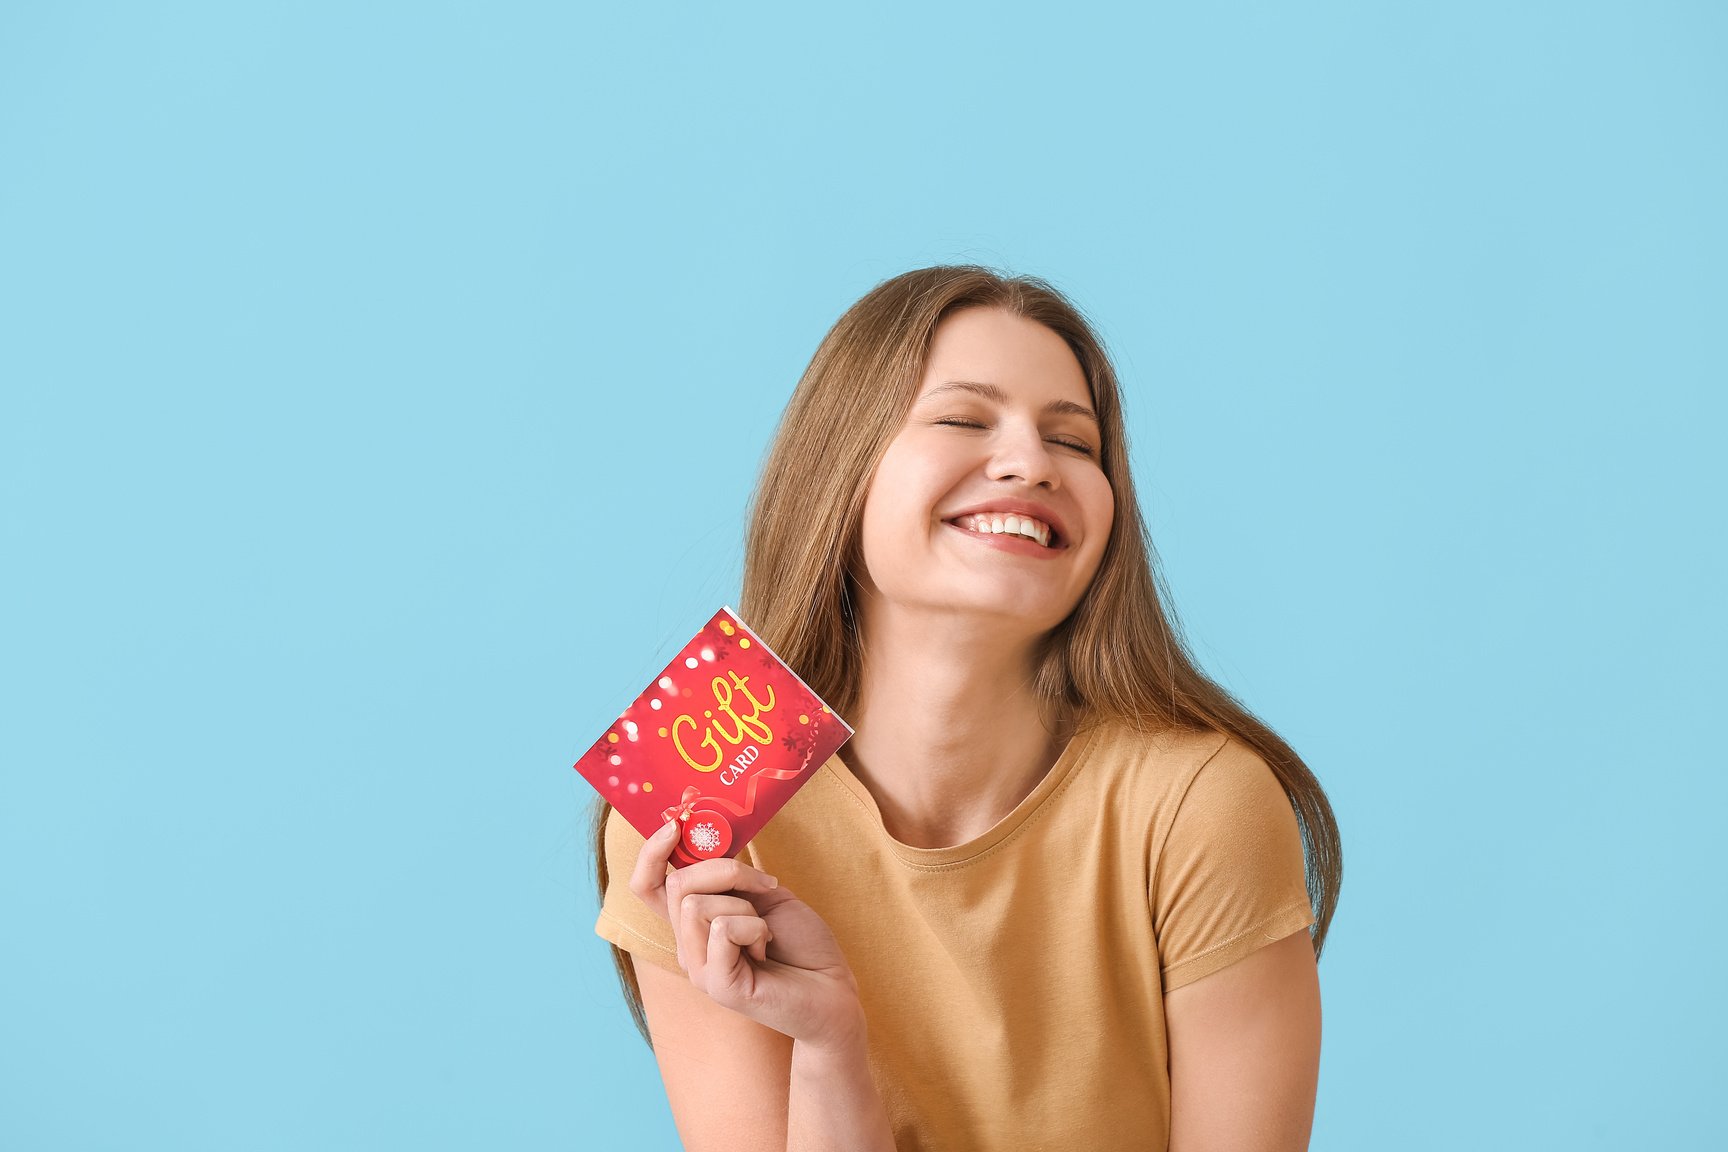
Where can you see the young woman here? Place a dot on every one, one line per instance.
(1053, 892)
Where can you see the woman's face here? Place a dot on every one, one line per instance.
(990, 499)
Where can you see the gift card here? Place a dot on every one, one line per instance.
(718, 741)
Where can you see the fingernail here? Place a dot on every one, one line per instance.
(669, 826)
(773, 883)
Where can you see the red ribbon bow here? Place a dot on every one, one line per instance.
(681, 810)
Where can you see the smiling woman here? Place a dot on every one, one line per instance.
(1054, 889)
(1013, 440)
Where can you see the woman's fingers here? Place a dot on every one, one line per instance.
(696, 913)
(662, 892)
(728, 978)
(718, 875)
(719, 931)
(648, 880)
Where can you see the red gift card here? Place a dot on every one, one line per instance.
(719, 740)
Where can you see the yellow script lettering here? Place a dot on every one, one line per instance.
(750, 725)
(707, 742)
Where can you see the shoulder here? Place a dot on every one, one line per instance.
(1116, 740)
(1233, 775)
(1231, 796)
(1180, 765)
(1129, 786)
(1154, 766)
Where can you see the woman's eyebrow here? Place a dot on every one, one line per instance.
(994, 392)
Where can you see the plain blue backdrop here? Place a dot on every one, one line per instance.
(383, 387)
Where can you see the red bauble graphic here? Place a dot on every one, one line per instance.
(707, 834)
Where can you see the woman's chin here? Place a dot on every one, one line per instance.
(1009, 617)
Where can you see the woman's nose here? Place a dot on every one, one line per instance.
(1021, 454)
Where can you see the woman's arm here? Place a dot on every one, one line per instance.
(726, 1075)
(761, 1043)
(1245, 1053)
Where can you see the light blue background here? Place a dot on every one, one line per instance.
(384, 385)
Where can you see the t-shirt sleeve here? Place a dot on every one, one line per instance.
(1230, 877)
(624, 919)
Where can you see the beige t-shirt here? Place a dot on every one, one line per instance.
(1013, 986)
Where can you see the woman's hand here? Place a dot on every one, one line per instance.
(752, 946)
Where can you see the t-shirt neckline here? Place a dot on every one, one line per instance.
(1073, 753)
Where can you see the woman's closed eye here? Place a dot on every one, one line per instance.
(1065, 441)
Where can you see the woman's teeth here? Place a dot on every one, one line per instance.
(1012, 524)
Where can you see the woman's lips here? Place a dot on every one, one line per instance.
(1001, 510)
(1030, 527)
(1008, 542)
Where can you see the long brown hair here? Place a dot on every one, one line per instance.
(1119, 657)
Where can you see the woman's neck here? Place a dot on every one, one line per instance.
(948, 736)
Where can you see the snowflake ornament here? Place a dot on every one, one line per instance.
(706, 837)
